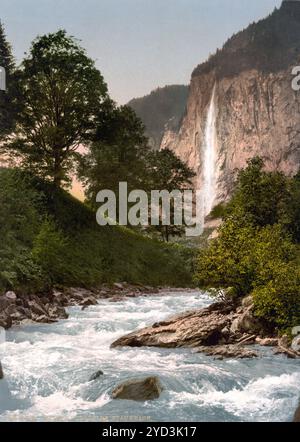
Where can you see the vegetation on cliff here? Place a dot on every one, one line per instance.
(269, 45)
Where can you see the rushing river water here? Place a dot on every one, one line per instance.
(47, 368)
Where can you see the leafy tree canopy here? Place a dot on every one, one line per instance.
(61, 92)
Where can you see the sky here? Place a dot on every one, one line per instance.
(137, 44)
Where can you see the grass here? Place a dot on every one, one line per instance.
(65, 245)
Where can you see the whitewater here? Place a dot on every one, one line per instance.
(47, 370)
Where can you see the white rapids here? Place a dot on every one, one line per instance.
(47, 370)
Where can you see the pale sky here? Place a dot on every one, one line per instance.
(138, 44)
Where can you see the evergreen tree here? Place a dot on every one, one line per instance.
(6, 101)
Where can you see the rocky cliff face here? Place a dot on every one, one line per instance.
(257, 112)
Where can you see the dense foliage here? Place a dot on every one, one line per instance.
(59, 92)
(48, 237)
(117, 154)
(256, 251)
(7, 104)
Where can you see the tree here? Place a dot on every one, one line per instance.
(259, 196)
(118, 153)
(61, 92)
(7, 107)
(255, 252)
(291, 219)
(167, 172)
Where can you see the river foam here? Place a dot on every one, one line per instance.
(47, 370)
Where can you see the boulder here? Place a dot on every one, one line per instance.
(1, 371)
(96, 375)
(138, 390)
(11, 296)
(246, 322)
(56, 312)
(228, 351)
(5, 320)
(4, 303)
(90, 300)
(44, 319)
(37, 308)
(18, 315)
(247, 301)
(267, 342)
(296, 344)
(297, 415)
(191, 329)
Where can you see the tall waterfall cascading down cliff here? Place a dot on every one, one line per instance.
(210, 158)
(253, 111)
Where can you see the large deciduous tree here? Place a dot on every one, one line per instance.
(61, 92)
(117, 153)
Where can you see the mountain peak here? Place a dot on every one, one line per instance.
(271, 44)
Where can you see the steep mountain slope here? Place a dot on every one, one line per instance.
(242, 104)
(162, 106)
(48, 237)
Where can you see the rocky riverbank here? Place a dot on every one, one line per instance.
(220, 330)
(17, 308)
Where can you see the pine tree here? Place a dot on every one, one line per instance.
(6, 101)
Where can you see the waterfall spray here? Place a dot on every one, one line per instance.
(210, 158)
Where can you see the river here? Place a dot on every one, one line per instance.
(47, 370)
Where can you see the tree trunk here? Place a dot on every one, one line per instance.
(57, 171)
(167, 233)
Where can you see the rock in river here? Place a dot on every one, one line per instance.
(297, 415)
(228, 351)
(191, 329)
(138, 389)
(96, 375)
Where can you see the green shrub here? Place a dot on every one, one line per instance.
(48, 237)
(278, 301)
(49, 250)
(255, 252)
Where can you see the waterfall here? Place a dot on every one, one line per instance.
(210, 158)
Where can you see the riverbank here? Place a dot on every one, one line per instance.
(18, 308)
(220, 330)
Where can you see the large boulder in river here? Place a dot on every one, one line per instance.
(138, 389)
(1, 372)
(191, 329)
(297, 415)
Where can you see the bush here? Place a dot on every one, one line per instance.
(19, 223)
(255, 252)
(278, 301)
(49, 250)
